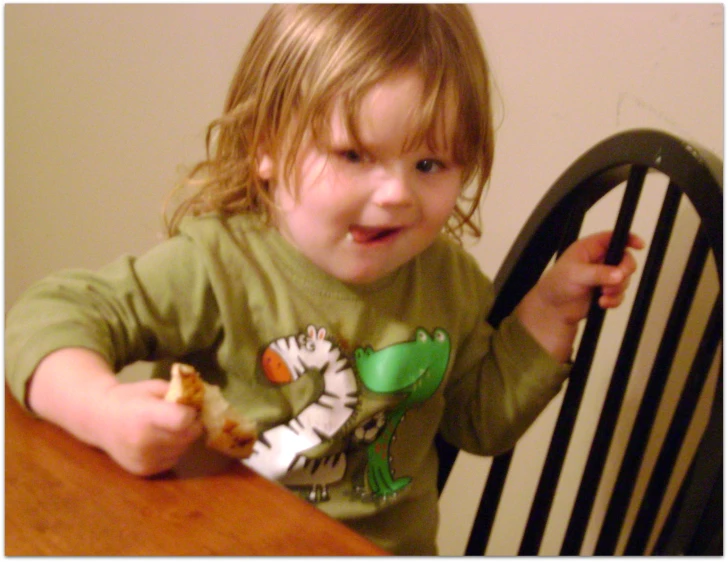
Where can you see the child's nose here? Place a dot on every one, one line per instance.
(393, 190)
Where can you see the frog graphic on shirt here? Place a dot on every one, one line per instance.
(415, 369)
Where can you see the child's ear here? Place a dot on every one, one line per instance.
(265, 166)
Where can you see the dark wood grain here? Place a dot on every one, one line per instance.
(65, 498)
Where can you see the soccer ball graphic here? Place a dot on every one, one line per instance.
(368, 431)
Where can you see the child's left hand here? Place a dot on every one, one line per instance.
(552, 310)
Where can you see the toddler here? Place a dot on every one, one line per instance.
(316, 274)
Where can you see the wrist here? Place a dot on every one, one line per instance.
(68, 388)
(548, 326)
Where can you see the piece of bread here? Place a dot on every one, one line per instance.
(228, 430)
(186, 387)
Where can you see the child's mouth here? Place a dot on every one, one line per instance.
(371, 234)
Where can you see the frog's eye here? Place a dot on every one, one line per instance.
(440, 335)
(422, 336)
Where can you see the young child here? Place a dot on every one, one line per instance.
(316, 275)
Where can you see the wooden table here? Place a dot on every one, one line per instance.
(65, 498)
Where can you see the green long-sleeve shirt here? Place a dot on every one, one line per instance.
(348, 384)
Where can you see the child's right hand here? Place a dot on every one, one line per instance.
(141, 431)
(76, 389)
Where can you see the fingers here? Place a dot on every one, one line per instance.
(164, 415)
(593, 248)
(617, 281)
(173, 429)
(170, 422)
(611, 300)
(615, 276)
(144, 433)
(584, 267)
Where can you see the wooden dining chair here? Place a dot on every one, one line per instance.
(627, 165)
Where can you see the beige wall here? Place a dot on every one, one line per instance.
(105, 102)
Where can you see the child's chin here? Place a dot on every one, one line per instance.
(363, 277)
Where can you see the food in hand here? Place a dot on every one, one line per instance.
(228, 430)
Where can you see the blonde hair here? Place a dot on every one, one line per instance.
(302, 58)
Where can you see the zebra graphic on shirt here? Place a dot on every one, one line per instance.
(279, 453)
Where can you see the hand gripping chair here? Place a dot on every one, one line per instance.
(628, 161)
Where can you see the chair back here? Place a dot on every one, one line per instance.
(624, 167)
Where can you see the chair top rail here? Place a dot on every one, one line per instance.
(696, 171)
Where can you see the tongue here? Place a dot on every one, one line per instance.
(364, 234)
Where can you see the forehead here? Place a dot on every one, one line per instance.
(396, 113)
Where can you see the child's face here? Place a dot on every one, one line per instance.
(360, 214)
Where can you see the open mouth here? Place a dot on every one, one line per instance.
(369, 234)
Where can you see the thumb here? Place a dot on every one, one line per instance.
(175, 417)
(167, 415)
(154, 387)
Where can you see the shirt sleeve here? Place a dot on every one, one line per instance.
(158, 305)
(501, 381)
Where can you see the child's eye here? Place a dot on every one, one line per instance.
(351, 155)
(429, 166)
